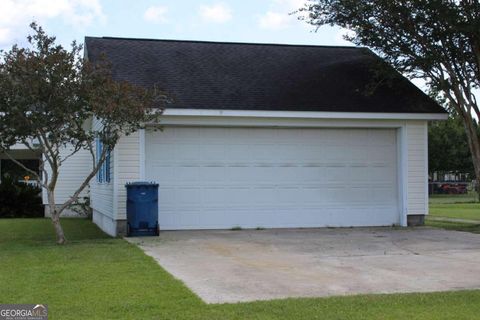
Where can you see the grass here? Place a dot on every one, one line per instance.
(470, 197)
(468, 211)
(455, 206)
(98, 277)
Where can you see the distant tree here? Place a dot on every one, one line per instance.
(434, 40)
(47, 96)
(448, 147)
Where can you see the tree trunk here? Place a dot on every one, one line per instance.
(476, 168)
(58, 229)
(474, 144)
(478, 184)
(55, 218)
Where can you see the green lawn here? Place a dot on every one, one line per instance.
(97, 277)
(453, 198)
(455, 206)
(469, 211)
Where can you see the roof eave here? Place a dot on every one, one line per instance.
(305, 114)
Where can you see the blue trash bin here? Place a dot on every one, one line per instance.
(142, 209)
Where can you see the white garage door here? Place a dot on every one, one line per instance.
(216, 178)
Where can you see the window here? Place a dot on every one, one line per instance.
(103, 174)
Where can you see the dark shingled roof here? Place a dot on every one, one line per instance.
(242, 76)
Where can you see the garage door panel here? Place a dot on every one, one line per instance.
(377, 154)
(187, 195)
(224, 177)
(216, 154)
(381, 138)
(212, 175)
(358, 153)
(383, 195)
(166, 197)
(380, 173)
(238, 153)
(358, 194)
(310, 174)
(338, 173)
(359, 173)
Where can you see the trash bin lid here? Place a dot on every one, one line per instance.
(141, 183)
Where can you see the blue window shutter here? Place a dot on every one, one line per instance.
(103, 173)
(100, 171)
(102, 167)
(97, 148)
(107, 167)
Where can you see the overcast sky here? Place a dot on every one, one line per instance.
(242, 20)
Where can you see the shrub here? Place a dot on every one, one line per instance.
(19, 200)
(82, 207)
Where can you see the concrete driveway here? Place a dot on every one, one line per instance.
(233, 266)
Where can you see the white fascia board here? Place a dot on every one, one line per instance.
(304, 114)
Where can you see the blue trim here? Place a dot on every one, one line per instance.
(103, 173)
(98, 152)
(107, 167)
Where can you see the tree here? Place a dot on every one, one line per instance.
(434, 40)
(447, 147)
(48, 95)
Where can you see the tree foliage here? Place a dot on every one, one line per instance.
(48, 97)
(435, 40)
(448, 147)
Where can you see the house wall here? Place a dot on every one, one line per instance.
(417, 167)
(128, 151)
(101, 194)
(71, 175)
(109, 199)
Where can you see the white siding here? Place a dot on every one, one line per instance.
(128, 170)
(417, 176)
(101, 194)
(109, 199)
(71, 175)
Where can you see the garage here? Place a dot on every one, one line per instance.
(221, 178)
(269, 136)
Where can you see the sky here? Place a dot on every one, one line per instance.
(260, 21)
(266, 21)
